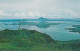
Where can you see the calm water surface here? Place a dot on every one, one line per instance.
(57, 32)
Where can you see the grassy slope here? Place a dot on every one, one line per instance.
(31, 40)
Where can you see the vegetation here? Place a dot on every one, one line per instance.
(76, 28)
(42, 24)
(31, 40)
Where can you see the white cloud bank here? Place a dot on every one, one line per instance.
(10, 9)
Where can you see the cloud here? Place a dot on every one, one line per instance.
(20, 14)
(1, 12)
(33, 13)
(72, 13)
(38, 8)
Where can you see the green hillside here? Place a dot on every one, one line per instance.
(31, 40)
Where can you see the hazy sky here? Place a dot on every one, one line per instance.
(15, 9)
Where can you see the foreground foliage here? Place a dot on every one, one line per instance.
(31, 40)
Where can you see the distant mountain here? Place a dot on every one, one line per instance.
(39, 19)
(60, 19)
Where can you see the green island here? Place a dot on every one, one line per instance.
(75, 28)
(41, 24)
(31, 40)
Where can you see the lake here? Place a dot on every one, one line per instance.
(57, 32)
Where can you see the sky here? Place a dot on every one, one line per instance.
(33, 9)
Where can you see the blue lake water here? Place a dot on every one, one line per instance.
(57, 32)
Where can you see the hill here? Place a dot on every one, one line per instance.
(31, 40)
